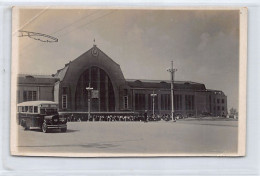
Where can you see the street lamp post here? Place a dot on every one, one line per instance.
(153, 95)
(172, 71)
(89, 89)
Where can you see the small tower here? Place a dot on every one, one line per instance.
(94, 44)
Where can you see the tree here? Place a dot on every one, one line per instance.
(233, 112)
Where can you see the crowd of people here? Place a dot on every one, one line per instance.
(110, 118)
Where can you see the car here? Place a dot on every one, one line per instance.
(41, 115)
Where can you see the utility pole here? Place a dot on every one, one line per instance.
(89, 89)
(153, 95)
(172, 72)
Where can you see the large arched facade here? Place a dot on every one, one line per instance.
(102, 98)
(95, 69)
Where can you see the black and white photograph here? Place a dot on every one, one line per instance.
(127, 82)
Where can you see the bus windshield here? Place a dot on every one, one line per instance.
(49, 111)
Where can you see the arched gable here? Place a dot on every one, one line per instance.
(93, 58)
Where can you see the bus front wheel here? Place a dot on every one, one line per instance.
(44, 127)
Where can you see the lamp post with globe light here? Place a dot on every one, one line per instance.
(172, 72)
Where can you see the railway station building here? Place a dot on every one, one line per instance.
(113, 93)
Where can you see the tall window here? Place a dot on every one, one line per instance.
(64, 101)
(125, 102)
(140, 101)
(64, 97)
(189, 102)
(223, 101)
(177, 102)
(165, 101)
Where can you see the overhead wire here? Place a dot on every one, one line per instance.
(61, 29)
(88, 23)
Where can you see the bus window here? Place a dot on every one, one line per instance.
(42, 111)
(19, 109)
(23, 109)
(35, 109)
(30, 109)
(26, 109)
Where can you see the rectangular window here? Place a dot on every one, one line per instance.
(177, 102)
(218, 108)
(125, 102)
(34, 95)
(64, 101)
(26, 109)
(29, 95)
(189, 102)
(35, 109)
(30, 109)
(166, 102)
(140, 101)
(223, 101)
(223, 108)
(24, 95)
(218, 101)
(163, 102)
(29, 98)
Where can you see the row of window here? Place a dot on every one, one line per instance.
(29, 95)
(218, 101)
(32, 109)
(165, 102)
(218, 108)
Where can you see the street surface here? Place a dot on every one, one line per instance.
(190, 137)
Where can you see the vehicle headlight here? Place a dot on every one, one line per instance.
(55, 120)
(63, 119)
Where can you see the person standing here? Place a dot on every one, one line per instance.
(145, 116)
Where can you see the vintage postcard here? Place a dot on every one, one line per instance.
(123, 82)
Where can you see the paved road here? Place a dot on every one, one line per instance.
(189, 137)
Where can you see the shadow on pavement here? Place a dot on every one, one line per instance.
(54, 131)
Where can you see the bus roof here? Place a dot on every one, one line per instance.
(35, 103)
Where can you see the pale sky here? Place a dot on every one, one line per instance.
(204, 45)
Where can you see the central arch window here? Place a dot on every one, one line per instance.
(99, 80)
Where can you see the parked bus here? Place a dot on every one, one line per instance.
(41, 115)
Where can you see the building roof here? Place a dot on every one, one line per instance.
(162, 84)
(36, 79)
(219, 92)
(62, 72)
(36, 103)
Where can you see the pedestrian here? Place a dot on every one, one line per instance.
(145, 116)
